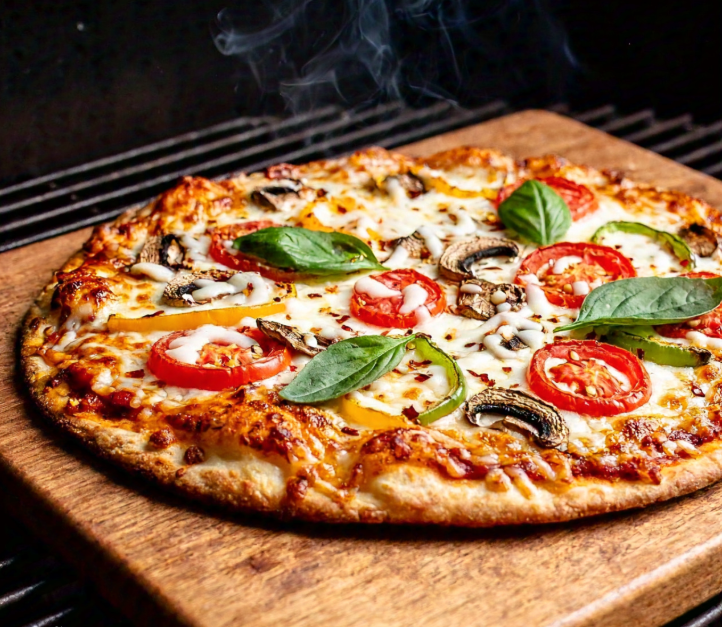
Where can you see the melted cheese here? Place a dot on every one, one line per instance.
(477, 345)
(187, 348)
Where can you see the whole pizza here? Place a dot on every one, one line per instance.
(463, 339)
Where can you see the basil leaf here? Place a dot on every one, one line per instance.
(310, 252)
(346, 366)
(675, 244)
(536, 212)
(648, 300)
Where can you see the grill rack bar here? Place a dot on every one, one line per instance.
(97, 191)
(37, 590)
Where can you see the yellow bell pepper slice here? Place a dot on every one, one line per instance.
(353, 411)
(443, 187)
(226, 317)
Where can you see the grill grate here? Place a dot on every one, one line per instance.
(36, 589)
(97, 191)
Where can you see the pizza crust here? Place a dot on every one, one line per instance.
(248, 481)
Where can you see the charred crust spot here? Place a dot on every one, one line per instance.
(194, 455)
(161, 439)
(296, 489)
(282, 171)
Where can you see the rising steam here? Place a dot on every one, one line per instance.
(304, 54)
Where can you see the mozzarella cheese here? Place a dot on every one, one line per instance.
(480, 347)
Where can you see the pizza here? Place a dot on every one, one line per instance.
(463, 339)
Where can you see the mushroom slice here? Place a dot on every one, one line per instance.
(164, 250)
(412, 185)
(478, 298)
(178, 292)
(285, 194)
(701, 239)
(455, 264)
(415, 244)
(522, 411)
(306, 343)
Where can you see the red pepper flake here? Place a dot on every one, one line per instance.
(484, 378)
(135, 374)
(349, 431)
(343, 319)
(470, 344)
(154, 314)
(506, 369)
(410, 412)
(422, 377)
(320, 193)
(315, 295)
(696, 390)
(345, 327)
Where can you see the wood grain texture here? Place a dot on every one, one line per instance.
(163, 561)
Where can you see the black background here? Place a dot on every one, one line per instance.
(80, 80)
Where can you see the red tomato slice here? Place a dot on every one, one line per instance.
(579, 198)
(237, 260)
(219, 367)
(386, 312)
(584, 383)
(709, 324)
(599, 263)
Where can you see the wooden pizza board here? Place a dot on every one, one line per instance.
(163, 561)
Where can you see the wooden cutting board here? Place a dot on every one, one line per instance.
(162, 561)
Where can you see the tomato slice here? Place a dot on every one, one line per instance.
(709, 324)
(600, 264)
(219, 366)
(386, 311)
(579, 198)
(584, 382)
(237, 260)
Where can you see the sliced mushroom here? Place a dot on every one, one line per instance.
(285, 194)
(478, 298)
(522, 411)
(164, 250)
(513, 343)
(412, 185)
(702, 240)
(306, 343)
(415, 244)
(456, 262)
(178, 292)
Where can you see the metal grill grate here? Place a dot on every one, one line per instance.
(37, 590)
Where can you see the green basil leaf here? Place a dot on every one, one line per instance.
(346, 366)
(648, 301)
(309, 252)
(536, 212)
(675, 244)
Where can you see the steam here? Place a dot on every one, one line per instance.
(304, 54)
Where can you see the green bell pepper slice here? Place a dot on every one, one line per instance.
(646, 344)
(457, 395)
(675, 244)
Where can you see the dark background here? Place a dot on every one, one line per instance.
(81, 80)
